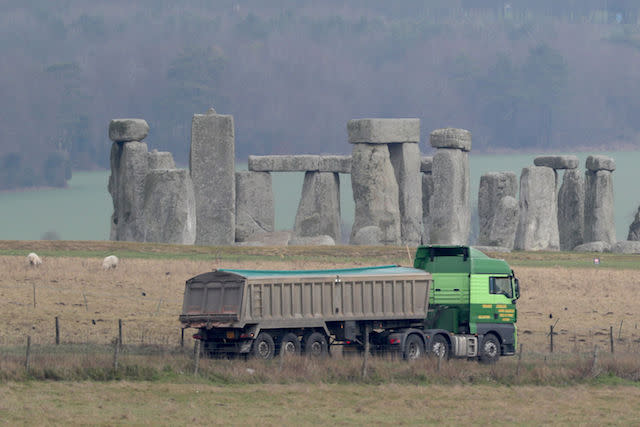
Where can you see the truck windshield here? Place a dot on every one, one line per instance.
(501, 286)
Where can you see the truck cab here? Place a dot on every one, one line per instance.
(472, 295)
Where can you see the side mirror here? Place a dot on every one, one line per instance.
(516, 290)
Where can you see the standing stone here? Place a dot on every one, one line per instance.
(212, 164)
(406, 162)
(427, 192)
(634, 228)
(319, 208)
(599, 223)
(449, 204)
(129, 165)
(571, 210)
(538, 223)
(505, 223)
(169, 207)
(254, 204)
(375, 192)
(160, 160)
(494, 186)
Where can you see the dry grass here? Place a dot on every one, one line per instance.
(147, 294)
(324, 404)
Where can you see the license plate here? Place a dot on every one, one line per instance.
(231, 335)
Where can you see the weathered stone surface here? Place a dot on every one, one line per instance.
(557, 162)
(370, 235)
(212, 164)
(300, 163)
(336, 164)
(125, 130)
(383, 131)
(160, 160)
(599, 162)
(169, 207)
(593, 247)
(375, 192)
(426, 164)
(312, 241)
(319, 208)
(538, 223)
(427, 192)
(449, 205)
(275, 238)
(494, 186)
(599, 223)
(451, 138)
(129, 165)
(626, 247)
(489, 249)
(571, 210)
(405, 159)
(254, 204)
(504, 224)
(634, 228)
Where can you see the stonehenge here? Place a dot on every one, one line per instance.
(599, 224)
(385, 167)
(152, 200)
(401, 197)
(449, 207)
(497, 209)
(212, 166)
(538, 222)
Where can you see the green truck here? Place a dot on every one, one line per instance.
(455, 302)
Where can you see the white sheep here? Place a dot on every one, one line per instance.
(110, 262)
(33, 259)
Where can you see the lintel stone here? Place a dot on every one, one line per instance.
(451, 138)
(600, 162)
(383, 131)
(557, 162)
(125, 130)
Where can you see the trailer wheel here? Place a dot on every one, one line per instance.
(289, 345)
(490, 349)
(413, 347)
(315, 345)
(440, 347)
(263, 347)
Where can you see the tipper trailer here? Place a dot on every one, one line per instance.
(454, 302)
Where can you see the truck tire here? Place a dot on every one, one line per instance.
(315, 345)
(440, 347)
(490, 349)
(413, 347)
(289, 345)
(263, 347)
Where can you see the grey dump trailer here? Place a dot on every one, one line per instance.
(265, 313)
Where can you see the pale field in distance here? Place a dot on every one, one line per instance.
(147, 295)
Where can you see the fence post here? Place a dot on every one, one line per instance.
(365, 359)
(196, 357)
(57, 331)
(595, 360)
(611, 338)
(620, 330)
(116, 354)
(27, 361)
(181, 337)
(519, 360)
(34, 294)
(551, 338)
(120, 332)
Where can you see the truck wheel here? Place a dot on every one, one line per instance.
(289, 345)
(263, 347)
(440, 347)
(315, 345)
(413, 347)
(490, 349)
